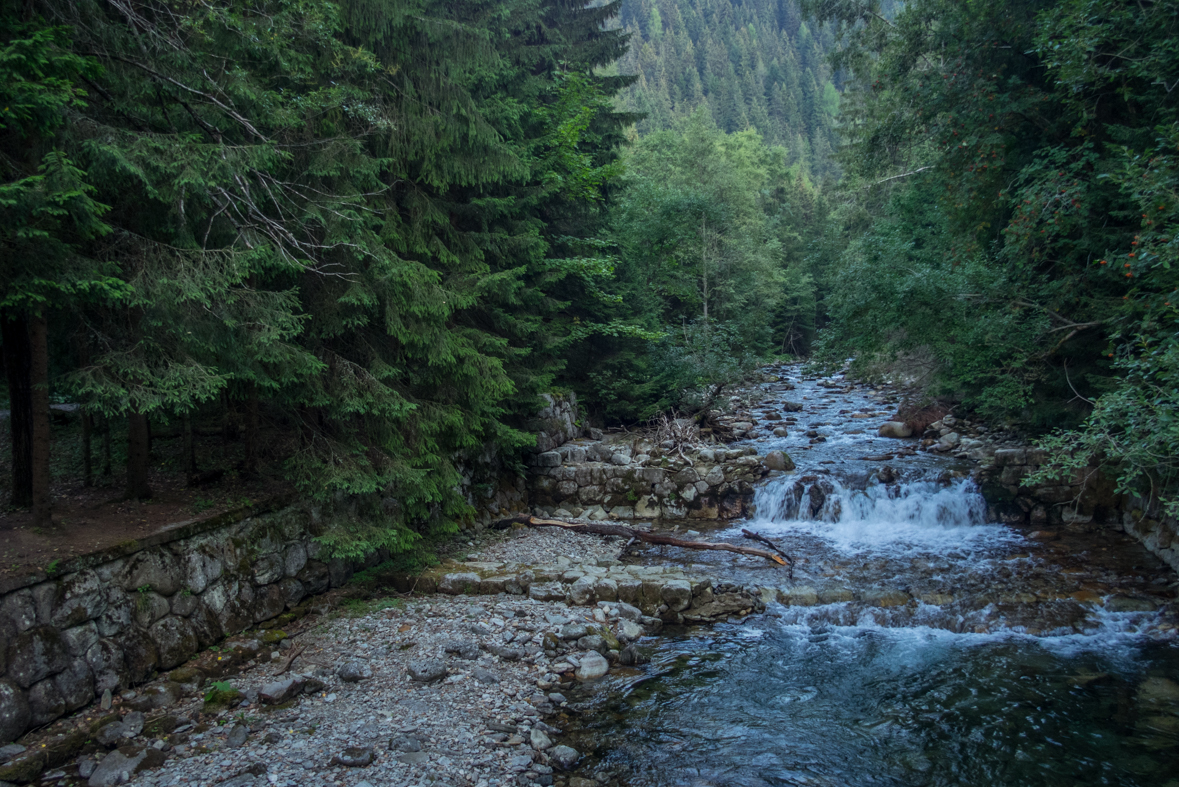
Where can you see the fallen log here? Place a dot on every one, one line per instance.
(612, 529)
(758, 537)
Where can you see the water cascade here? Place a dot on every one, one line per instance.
(919, 644)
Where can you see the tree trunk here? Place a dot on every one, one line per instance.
(39, 377)
(106, 446)
(190, 465)
(87, 452)
(251, 463)
(18, 364)
(137, 456)
(646, 536)
(87, 423)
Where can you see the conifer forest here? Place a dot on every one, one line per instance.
(340, 248)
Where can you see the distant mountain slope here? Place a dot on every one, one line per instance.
(752, 63)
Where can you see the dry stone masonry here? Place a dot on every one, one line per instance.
(118, 617)
(625, 477)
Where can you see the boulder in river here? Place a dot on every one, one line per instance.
(895, 429)
(778, 460)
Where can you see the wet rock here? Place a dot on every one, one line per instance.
(777, 460)
(592, 667)
(564, 757)
(355, 757)
(9, 751)
(1158, 694)
(355, 671)
(895, 429)
(426, 670)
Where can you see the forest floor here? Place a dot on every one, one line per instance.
(88, 519)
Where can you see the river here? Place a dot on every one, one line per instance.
(919, 643)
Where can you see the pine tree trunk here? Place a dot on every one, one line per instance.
(106, 446)
(251, 463)
(18, 366)
(87, 452)
(137, 456)
(39, 368)
(87, 423)
(190, 465)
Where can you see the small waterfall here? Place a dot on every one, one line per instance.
(924, 512)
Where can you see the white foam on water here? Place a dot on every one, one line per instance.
(919, 514)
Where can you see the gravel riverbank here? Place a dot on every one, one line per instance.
(429, 690)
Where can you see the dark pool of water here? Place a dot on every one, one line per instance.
(770, 703)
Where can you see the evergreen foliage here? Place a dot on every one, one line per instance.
(1011, 174)
(757, 64)
(353, 219)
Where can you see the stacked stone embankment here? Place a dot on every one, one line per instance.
(625, 477)
(114, 619)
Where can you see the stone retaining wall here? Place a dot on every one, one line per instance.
(625, 477)
(112, 619)
(1086, 499)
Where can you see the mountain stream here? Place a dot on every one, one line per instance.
(918, 643)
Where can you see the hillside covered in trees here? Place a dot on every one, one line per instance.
(751, 64)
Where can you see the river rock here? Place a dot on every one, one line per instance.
(629, 631)
(117, 767)
(463, 648)
(280, 691)
(355, 757)
(777, 460)
(455, 584)
(593, 666)
(564, 757)
(426, 670)
(355, 671)
(677, 594)
(539, 740)
(237, 736)
(1158, 694)
(895, 429)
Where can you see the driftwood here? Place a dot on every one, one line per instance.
(286, 665)
(612, 529)
(758, 537)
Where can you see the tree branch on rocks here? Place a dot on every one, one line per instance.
(611, 529)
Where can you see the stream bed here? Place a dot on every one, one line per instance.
(917, 644)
